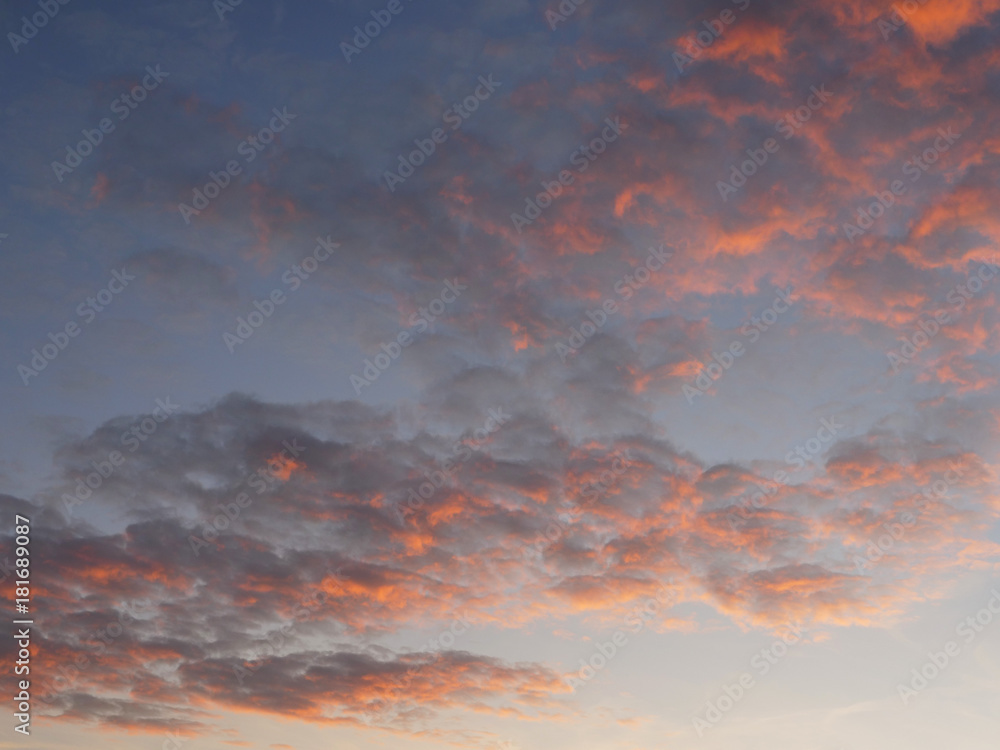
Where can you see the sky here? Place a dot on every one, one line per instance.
(501, 375)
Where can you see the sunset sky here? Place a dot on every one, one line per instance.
(504, 375)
